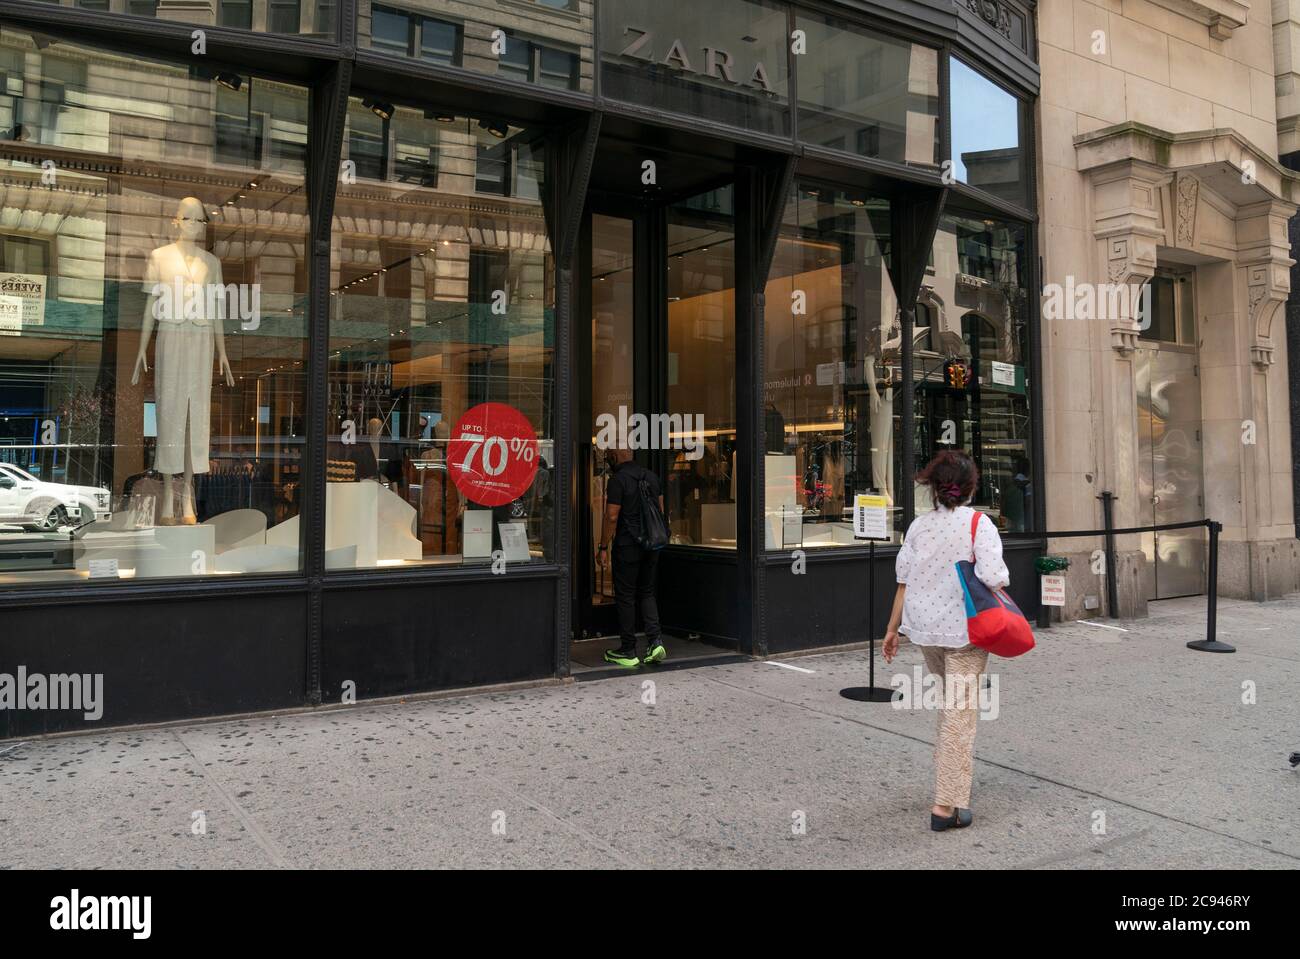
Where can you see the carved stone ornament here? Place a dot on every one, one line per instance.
(1267, 285)
(992, 13)
(1261, 354)
(1187, 190)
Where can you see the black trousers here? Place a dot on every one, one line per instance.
(634, 586)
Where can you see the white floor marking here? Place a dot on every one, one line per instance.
(1088, 622)
(797, 669)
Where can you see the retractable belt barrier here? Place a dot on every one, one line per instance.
(873, 693)
(1207, 645)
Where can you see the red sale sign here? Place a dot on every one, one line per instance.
(492, 455)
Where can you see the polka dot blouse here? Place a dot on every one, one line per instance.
(934, 611)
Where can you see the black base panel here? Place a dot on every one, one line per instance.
(161, 659)
(413, 638)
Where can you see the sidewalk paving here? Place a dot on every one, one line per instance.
(717, 773)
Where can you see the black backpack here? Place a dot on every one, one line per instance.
(654, 528)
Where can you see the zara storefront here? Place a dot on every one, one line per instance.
(311, 314)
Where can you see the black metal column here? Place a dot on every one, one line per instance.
(572, 159)
(329, 103)
(915, 218)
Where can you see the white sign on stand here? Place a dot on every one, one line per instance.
(870, 518)
(514, 542)
(477, 534)
(1053, 591)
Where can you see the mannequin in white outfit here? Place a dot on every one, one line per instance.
(882, 411)
(187, 313)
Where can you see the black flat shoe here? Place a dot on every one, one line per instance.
(960, 819)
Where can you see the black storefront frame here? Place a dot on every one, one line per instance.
(330, 70)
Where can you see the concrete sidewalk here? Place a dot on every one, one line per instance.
(720, 771)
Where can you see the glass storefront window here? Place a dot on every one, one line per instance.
(868, 94)
(986, 148)
(832, 353)
(723, 61)
(544, 42)
(441, 352)
(973, 377)
(701, 477)
(153, 292)
(306, 18)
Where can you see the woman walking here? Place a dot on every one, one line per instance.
(929, 608)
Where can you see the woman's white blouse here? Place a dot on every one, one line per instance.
(934, 608)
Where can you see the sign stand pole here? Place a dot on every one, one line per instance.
(871, 693)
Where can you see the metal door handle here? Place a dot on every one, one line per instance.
(1155, 500)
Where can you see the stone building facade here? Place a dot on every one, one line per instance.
(1159, 137)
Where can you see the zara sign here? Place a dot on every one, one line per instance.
(715, 63)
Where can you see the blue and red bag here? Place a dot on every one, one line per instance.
(993, 620)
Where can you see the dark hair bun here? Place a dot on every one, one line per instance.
(952, 477)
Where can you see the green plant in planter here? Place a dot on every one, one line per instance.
(1048, 565)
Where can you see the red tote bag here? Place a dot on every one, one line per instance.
(993, 620)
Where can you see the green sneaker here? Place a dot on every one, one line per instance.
(656, 653)
(622, 657)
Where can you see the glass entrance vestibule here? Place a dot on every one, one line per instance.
(286, 344)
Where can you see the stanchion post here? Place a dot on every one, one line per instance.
(1108, 523)
(1210, 644)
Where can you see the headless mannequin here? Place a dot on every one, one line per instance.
(187, 261)
(882, 418)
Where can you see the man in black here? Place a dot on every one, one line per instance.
(634, 568)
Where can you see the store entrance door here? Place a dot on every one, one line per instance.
(616, 310)
(1170, 480)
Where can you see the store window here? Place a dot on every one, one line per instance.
(701, 468)
(833, 359)
(153, 297)
(725, 61)
(986, 148)
(868, 94)
(542, 42)
(973, 386)
(441, 357)
(311, 18)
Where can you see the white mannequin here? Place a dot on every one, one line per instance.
(189, 332)
(882, 420)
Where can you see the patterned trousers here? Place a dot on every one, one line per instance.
(959, 671)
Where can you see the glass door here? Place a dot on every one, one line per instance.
(609, 390)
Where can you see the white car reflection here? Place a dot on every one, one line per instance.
(31, 502)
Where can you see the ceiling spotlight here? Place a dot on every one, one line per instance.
(498, 130)
(379, 108)
(231, 81)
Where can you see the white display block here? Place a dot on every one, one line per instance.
(109, 544)
(177, 551)
(780, 494)
(237, 528)
(258, 558)
(351, 519)
(397, 521)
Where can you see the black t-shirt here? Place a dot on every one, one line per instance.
(624, 491)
